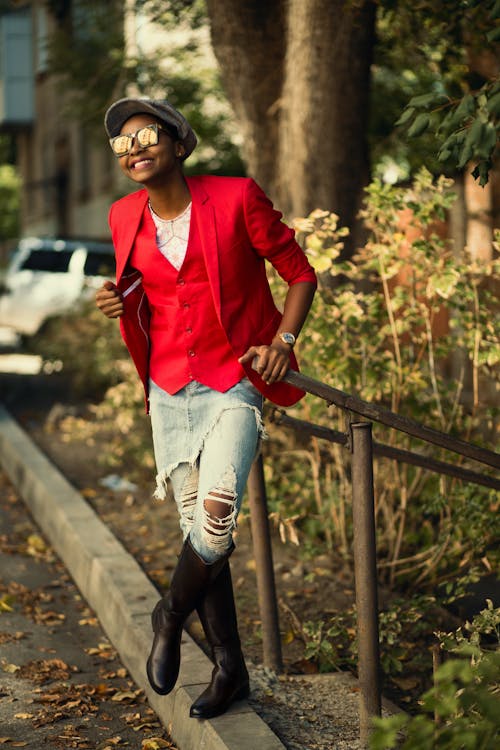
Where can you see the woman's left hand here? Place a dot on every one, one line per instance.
(272, 363)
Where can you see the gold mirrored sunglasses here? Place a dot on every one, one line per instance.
(145, 136)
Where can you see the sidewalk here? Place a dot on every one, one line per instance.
(122, 597)
(62, 684)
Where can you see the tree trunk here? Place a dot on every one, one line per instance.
(323, 150)
(297, 73)
(249, 43)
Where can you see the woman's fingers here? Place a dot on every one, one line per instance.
(272, 362)
(109, 301)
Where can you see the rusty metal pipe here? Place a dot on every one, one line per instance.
(365, 573)
(266, 589)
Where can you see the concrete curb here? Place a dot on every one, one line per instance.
(122, 596)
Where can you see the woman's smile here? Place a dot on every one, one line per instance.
(142, 163)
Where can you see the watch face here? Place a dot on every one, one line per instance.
(288, 338)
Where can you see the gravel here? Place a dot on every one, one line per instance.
(313, 712)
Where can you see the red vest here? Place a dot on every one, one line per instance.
(187, 341)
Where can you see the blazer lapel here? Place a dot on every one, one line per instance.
(131, 215)
(204, 215)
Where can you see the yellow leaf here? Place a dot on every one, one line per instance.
(288, 637)
(5, 603)
(10, 668)
(36, 543)
(155, 743)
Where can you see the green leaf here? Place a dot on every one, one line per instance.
(407, 115)
(466, 108)
(444, 154)
(481, 171)
(495, 11)
(493, 35)
(487, 141)
(427, 100)
(419, 126)
(494, 104)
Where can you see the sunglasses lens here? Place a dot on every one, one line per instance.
(147, 136)
(121, 144)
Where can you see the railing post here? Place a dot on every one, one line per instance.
(261, 536)
(365, 572)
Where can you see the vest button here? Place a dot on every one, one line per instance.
(189, 330)
(181, 282)
(186, 305)
(191, 353)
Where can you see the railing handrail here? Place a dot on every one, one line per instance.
(359, 440)
(279, 416)
(391, 419)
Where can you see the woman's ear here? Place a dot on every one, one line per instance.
(180, 150)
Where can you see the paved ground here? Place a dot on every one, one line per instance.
(61, 682)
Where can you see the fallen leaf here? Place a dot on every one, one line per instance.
(125, 695)
(23, 716)
(155, 743)
(10, 668)
(36, 545)
(288, 637)
(88, 621)
(9, 637)
(6, 602)
(46, 670)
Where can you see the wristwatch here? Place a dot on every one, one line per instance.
(287, 337)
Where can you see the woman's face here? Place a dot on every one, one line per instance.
(152, 164)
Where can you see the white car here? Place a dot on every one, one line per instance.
(47, 277)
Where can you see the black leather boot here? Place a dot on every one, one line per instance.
(190, 579)
(230, 680)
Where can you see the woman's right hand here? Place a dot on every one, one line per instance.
(109, 300)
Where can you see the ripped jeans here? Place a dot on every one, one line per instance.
(205, 443)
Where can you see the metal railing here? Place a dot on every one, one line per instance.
(359, 441)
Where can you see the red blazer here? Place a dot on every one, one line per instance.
(239, 230)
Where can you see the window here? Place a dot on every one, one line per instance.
(48, 260)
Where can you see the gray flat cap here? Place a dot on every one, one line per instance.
(121, 110)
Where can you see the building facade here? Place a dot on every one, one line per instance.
(69, 177)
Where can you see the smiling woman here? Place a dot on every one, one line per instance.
(195, 311)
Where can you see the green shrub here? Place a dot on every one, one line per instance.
(460, 712)
(412, 324)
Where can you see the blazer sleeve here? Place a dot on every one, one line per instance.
(272, 239)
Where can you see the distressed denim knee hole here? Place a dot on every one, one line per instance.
(219, 512)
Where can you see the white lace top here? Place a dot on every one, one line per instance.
(172, 235)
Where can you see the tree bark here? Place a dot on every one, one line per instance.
(324, 160)
(297, 73)
(249, 43)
